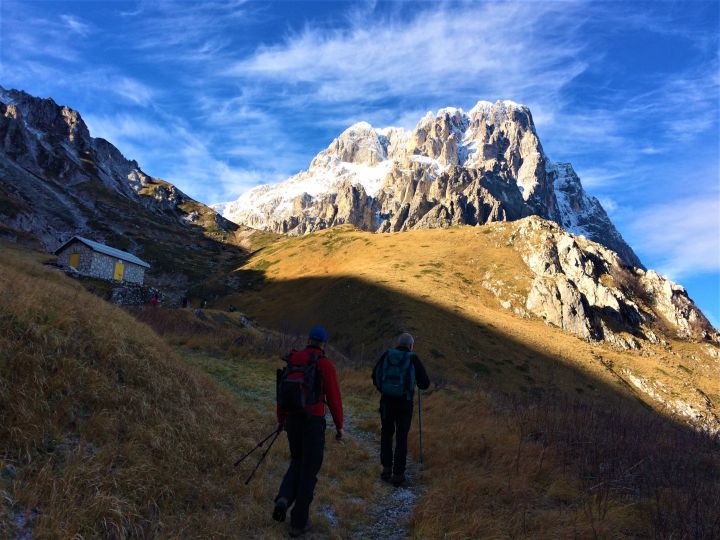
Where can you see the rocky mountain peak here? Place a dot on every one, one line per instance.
(359, 143)
(454, 167)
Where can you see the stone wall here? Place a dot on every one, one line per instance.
(134, 273)
(103, 266)
(99, 265)
(86, 257)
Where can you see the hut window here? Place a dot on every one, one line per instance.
(75, 260)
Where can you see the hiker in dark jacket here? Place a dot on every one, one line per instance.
(305, 429)
(395, 376)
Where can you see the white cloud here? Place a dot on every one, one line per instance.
(188, 158)
(682, 237)
(496, 47)
(609, 204)
(118, 127)
(75, 25)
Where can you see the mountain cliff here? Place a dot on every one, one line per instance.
(57, 181)
(454, 168)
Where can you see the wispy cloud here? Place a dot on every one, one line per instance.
(257, 108)
(188, 158)
(682, 237)
(438, 52)
(100, 81)
(75, 25)
(530, 52)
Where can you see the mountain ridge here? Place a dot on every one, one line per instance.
(57, 181)
(454, 168)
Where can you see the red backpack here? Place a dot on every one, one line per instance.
(298, 384)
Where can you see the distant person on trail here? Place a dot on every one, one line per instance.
(154, 300)
(395, 376)
(303, 388)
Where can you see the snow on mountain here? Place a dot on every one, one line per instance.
(455, 167)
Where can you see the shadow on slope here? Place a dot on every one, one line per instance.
(105, 432)
(519, 441)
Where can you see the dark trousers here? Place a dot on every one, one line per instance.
(396, 417)
(306, 437)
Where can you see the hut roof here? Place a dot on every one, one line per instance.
(107, 250)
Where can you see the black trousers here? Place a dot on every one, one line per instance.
(306, 437)
(396, 417)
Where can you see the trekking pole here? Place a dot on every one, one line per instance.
(262, 458)
(239, 461)
(420, 423)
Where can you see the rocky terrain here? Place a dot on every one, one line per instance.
(454, 168)
(584, 288)
(57, 181)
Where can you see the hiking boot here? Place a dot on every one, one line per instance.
(280, 509)
(386, 474)
(398, 479)
(295, 531)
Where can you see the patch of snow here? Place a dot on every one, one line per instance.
(449, 110)
(323, 177)
(5, 97)
(360, 126)
(425, 160)
(387, 131)
(567, 186)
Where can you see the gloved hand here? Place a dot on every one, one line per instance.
(339, 435)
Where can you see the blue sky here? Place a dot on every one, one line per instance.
(218, 97)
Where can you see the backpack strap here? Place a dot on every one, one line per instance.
(409, 374)
(379, 371)
(316, 383)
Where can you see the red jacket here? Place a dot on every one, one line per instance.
(329, 389)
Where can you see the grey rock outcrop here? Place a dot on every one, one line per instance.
(453, 168)
(57, 181)
(587, 290)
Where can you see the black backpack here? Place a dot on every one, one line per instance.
(298, 384)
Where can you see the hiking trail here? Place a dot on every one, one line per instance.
(387, 517)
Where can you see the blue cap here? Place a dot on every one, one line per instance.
(318, 333)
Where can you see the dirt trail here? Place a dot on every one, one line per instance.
(387, 518)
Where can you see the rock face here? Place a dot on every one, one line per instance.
(585, 289)
(455, 167)
(57, 181)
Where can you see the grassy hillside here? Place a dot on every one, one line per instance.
(534, 432)
(368, 287)
(107, 431)
(126, 423)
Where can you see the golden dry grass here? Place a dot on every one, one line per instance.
(127, 423)
(112, 434)
(367, 288)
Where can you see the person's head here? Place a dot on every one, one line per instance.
(406, 340)
(317, 337)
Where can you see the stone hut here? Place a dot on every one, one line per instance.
(97, 260)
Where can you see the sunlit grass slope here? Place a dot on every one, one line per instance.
(530, 432)
(109, 433)
(106, 431)
(121, 423)
(368, 287)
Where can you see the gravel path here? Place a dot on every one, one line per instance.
(387, 518)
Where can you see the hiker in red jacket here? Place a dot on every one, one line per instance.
(304, 387)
